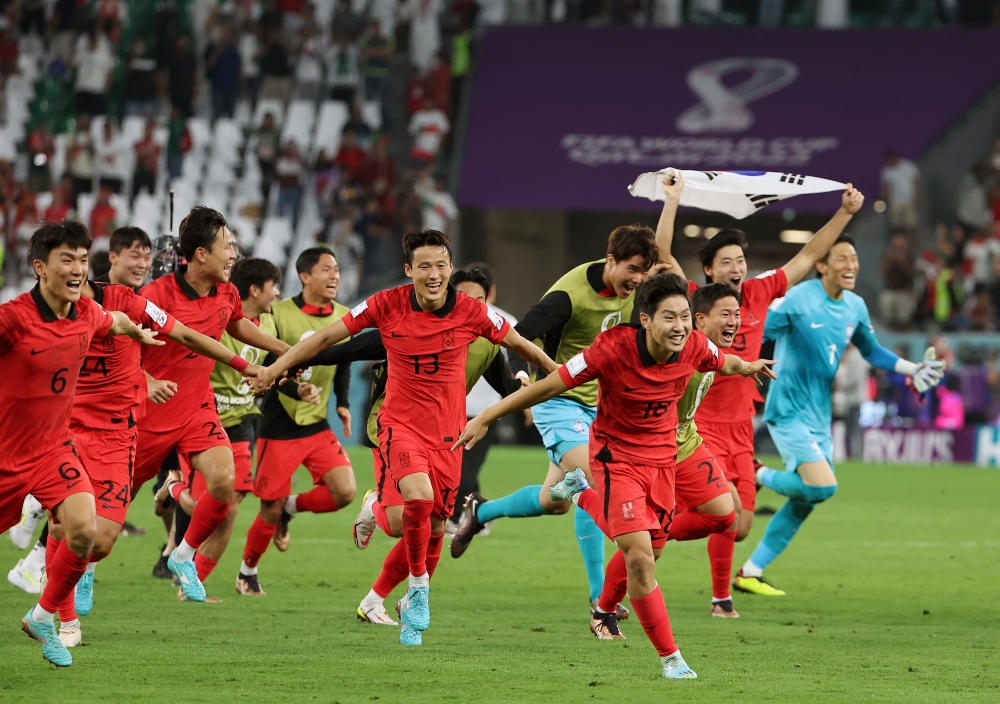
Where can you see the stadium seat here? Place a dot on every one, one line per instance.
(278, 230)
(43, 201)
(299, 123)
(333, 115)
(133, 127)
(371, 111)
(275, 107)
(201, 134)
(85, 204)
(272, 251)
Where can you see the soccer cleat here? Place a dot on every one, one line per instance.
(83, 601)
(573, 483)
(470, 526)
(416, 612)
(364, 524)
(408, 635)
(757, 464)
(605, 626)
(247, 585)
(45, 633)
(132, 529)
(281, 537)
(208, 599)
(187, 573)
(674, 668)
(621, 612)
(162, 499)
(724, 609)
(160, 569)
(375, 614)
(22, 577)
(70, 634)
(755, 585)
(31, 513)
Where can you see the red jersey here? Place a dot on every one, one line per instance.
(426, 352)
(41, 357)
(637, 396)
(730, 400)
(112, 384)
(208, 315)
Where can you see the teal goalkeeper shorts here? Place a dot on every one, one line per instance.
(798, 444)
(563, 424)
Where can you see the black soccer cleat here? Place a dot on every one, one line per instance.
(605, 626)
(160, 569)
(281, 538)
(470, 526)
(131, 529)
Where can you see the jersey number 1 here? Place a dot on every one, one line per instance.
(833, 351)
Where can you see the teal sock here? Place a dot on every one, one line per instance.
(790, 484)
(523, 503)
(780, 531)
(591, 541)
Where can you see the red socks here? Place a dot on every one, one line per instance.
(258, 538)
(316, 500)
(204, 565)
(590, 501)
(434, 553)
(209, 513)
(64, 571)
(394, 570)
(615, 583)
(652, 614)
(417, 533)
(381, 520)
(720, 555)
(691, 525)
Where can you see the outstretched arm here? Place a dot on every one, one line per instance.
(300, 353)
(816, 248)
(245, 331)
(205, 346)
(672, 187)
(124, 326)
(528, 352)
(734, 365)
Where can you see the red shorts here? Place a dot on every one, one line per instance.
(387, 491)
(108, 456)
(277, 461)
(635, 497)
(732, 444)
(699, 479)
(404, 453)
(201, 432)
(50, 479)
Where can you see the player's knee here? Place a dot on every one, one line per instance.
(343, 495)
(81, 539)
(270, 511)
(102, 548)
(641, 565)
(819, 494)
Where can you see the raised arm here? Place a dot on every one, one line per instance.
(245, 331)
(205, 346)
(302, 352)
(123, 326)
(528, 351)
(816, 248)
(734, 365)
(672, 187)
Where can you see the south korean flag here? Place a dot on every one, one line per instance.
(736, 193)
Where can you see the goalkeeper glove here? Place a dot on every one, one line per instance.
(929, 372)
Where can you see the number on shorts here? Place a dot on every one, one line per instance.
(711, 469)
(214, 431)
(68, 472)
(108, 488)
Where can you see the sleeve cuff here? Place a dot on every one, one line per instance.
(238, 363)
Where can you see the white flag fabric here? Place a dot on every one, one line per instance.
(736, 193)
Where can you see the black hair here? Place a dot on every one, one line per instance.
(52, 235)
(725, 238)
(630, 241)
(125, 237)
(487, 272)
(100, 265)
(310, 257)
(844, 237)
(199, 229)
(428, 238)
(470, 275)
(704, 298)
(651, 293)
(253, 271)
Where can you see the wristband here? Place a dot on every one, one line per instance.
(238, 363)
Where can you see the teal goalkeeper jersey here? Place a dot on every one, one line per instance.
(811, 331)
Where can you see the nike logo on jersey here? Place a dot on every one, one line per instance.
(34, 351)
(816, 325)
(393, 334)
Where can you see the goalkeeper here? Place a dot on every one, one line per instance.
(811, 326)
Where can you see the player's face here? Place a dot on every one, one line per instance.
(670, 325)
(841, 268)
(722, 322)
(267, 296)
(729, 266)
(64, 272)
(130, 266)
(473, 290)
(430, 271)
(220, 258)
(627, 275)
(324, 278)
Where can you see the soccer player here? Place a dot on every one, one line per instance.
(725, 416)
(426, 327)
(642, 372)
(200, 296)
(44, 339)
(586, 301)
(295, 430)
(811, 327)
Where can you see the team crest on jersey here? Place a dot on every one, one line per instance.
(108, 343)
(610, 320)
(850, 332)
(679, 385)
(404, 459)
(448, 339)
(223, 318)
(628, 513)
(84, 343)
(749, 319)
(579, 427)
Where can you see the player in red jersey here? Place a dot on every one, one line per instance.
(426, 327)
(201, 296)
(642, 371)
(44, 338)
(725, 416)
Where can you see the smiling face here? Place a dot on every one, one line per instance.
(63, 274)
(217, 261)
(840, 270)
(729, 266)
(722, 322)
(430, 270)
(472, 290)
(625, 276)
(130, 266)
(321, 282)
(670, 325)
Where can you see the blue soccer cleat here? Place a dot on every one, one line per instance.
(83, 601)
(674, 668)
(187, 573)
(415, 608)
(45, 633)
(408, 635)
(573, 483)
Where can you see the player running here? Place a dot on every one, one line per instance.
(44, 339)
(295, 430)
(811, 327)
(642, 372)
(201, 296)
(427, 327)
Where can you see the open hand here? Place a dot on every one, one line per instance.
(145, 337)
(310, 394)
(759, 367)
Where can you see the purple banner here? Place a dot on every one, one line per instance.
(565, 118)
(925, 445)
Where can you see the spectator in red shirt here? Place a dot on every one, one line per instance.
(350, 156)
(378, 173)
(147, 159)
(41, 147)
(102, 217)
(58, 210)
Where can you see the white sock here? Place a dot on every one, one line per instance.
(290, 505)
(423, 580)
(247, 570)
(35, 558)
(599, 610)
(40, 615)
(752, 570)
(725, 598)
(575, 498)
(67, 624)
(91, 566)
(673, 660)
(184, 551)
(371, 599)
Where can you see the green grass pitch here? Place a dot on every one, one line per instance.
(891, 597)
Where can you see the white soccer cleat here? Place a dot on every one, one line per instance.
(70, 634)
(375, 614)
(31, 513)
(24, 577)
(364, 524)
